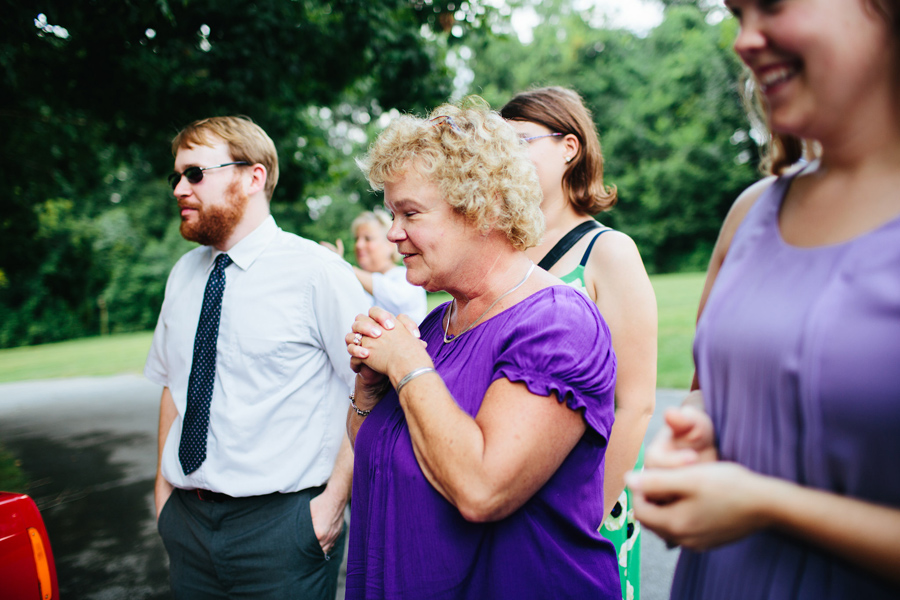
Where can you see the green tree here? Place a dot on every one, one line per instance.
(91, 93)
(674, 134)
(684, 153)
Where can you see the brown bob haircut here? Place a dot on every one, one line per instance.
(246, 142)
(562, 110)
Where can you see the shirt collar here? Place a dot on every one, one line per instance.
(248, 249)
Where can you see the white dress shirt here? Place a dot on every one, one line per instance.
(392, 292)
(279, 401)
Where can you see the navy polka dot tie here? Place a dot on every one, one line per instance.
(192, 451)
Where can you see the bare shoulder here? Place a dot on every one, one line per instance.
(615, 252)
(739, 210)
(615, 271)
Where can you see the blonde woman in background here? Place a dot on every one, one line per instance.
(378, 272)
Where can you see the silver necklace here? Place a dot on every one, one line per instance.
(449, 338)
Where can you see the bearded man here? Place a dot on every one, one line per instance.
(254, 465)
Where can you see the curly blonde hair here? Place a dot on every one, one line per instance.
(476, 160)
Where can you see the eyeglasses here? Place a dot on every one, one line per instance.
(195, 174)
(537, 137)
(446, 119)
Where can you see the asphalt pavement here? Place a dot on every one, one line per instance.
(88, 447)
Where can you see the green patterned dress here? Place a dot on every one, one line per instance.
(619, 527)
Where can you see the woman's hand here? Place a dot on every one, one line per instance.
(706, 505)
(370, 346)
(687, 438)
(378, 347)
(371, 385)
(700, 506)
(337, 247)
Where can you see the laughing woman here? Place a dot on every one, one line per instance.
(476, 473)
(782, 482)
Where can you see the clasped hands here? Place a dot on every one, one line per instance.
(381, 353)
(686, 495)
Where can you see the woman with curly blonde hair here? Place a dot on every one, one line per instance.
(478, 452)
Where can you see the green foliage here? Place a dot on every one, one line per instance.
(679, 170)
(56, 297)
(674, 134)
(12, 479)
(92, 93)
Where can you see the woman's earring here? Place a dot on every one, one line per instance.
(568, 159)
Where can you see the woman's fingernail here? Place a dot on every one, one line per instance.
(389, 324)
(376, 332)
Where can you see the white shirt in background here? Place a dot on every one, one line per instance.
(392, 292)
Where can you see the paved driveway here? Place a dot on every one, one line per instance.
(89, 448)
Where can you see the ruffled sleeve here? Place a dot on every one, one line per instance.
(562, 345)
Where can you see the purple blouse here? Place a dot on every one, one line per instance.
(798, 353)
(407, 541)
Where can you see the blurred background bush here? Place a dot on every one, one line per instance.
(91, 94)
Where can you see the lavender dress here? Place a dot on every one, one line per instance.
(407, 541)
(798, 353)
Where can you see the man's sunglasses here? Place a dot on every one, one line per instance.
(195, 174)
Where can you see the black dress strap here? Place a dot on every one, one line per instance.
(565, 244)
(587, 253)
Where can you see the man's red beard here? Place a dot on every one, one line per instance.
(215, 224)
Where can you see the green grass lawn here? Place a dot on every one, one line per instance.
(86, 357)
(677, 296)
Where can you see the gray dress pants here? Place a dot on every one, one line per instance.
(259, 547)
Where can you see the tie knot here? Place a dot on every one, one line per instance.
(222, 261)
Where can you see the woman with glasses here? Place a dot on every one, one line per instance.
(605, 265)
(378, 272)
(479, 435)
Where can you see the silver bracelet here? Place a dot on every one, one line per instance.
(359, 411)
(412, 375)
